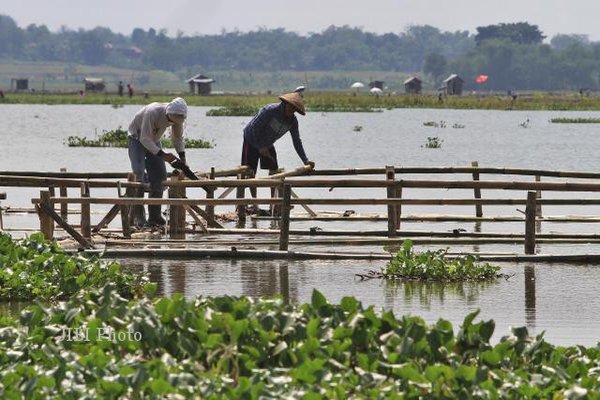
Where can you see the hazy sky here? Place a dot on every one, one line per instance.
(303, 16)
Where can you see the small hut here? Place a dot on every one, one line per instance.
(19, 84)
(376, 84)
(453, 85)
(413, 85)
(200, 84)
(94, 84)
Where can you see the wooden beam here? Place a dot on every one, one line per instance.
(64, 225)
(112, 213)
(196, 218)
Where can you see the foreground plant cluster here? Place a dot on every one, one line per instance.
(226, 347)
(118, 138)
(35, 269)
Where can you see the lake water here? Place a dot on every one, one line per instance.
(561, 300)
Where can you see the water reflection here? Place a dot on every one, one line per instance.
(427, 293)
(530, 296)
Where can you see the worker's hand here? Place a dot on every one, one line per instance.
(311, 164)
(169, 157)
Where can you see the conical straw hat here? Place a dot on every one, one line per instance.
(295, 100)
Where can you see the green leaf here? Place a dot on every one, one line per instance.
(318, 300)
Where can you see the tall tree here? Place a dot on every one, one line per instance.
(520, 32)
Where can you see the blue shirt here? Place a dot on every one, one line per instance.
(270, 124)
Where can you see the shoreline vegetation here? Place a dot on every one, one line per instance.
(324, 101)
(112, 340)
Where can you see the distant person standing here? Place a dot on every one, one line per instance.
(130, 90)
(120, 88)
(148, 158)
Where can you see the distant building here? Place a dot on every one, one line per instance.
(19, 84)
(200, 84)
(453, 85)
(94, 84)
(376, 84)
(413, 85)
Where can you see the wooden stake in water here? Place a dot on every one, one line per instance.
(530, 223)
(477, 191)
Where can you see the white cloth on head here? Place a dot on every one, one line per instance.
(177, 106)
(150, 123)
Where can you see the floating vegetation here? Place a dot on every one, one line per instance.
(118, 138)
(433, 142)
(232, 111)
(575, 120)
(434, 266)
(357, 128)
(34, 269)
(100, 345)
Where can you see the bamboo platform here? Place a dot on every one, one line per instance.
(194, 219)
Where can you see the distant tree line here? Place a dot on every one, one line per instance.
(514, 56)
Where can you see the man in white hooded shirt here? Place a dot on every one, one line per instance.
(147, 157)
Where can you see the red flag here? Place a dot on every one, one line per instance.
(481, 79)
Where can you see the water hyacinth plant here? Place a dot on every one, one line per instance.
(434, 266)
(118, 138)
(239, 348)
(232, 111)
(575, 120)
(433, 142)
(34, 269)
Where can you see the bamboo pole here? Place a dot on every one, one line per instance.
(349, 242)
(477, 191)
(46, 222)
(176, 212)
(538, 196)
(112, 213)
(86, 230)
(195, 217)
(64, 212)
(398, 195)
(530, 223)
(68, 228)
(210, 221)
(223, 173)
(337, 201)
(127, 211)
(241, 208)
(458, 170)
(235, 253)
(391, 210)
(332, 172)
(306, 208)
(294, 172)
(210, 194)
(284, 229)
(28, 181)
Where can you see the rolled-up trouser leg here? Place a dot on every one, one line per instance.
(137, 157)
(157, 173)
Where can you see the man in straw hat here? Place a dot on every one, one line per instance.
(268, 125)
(146, 155)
